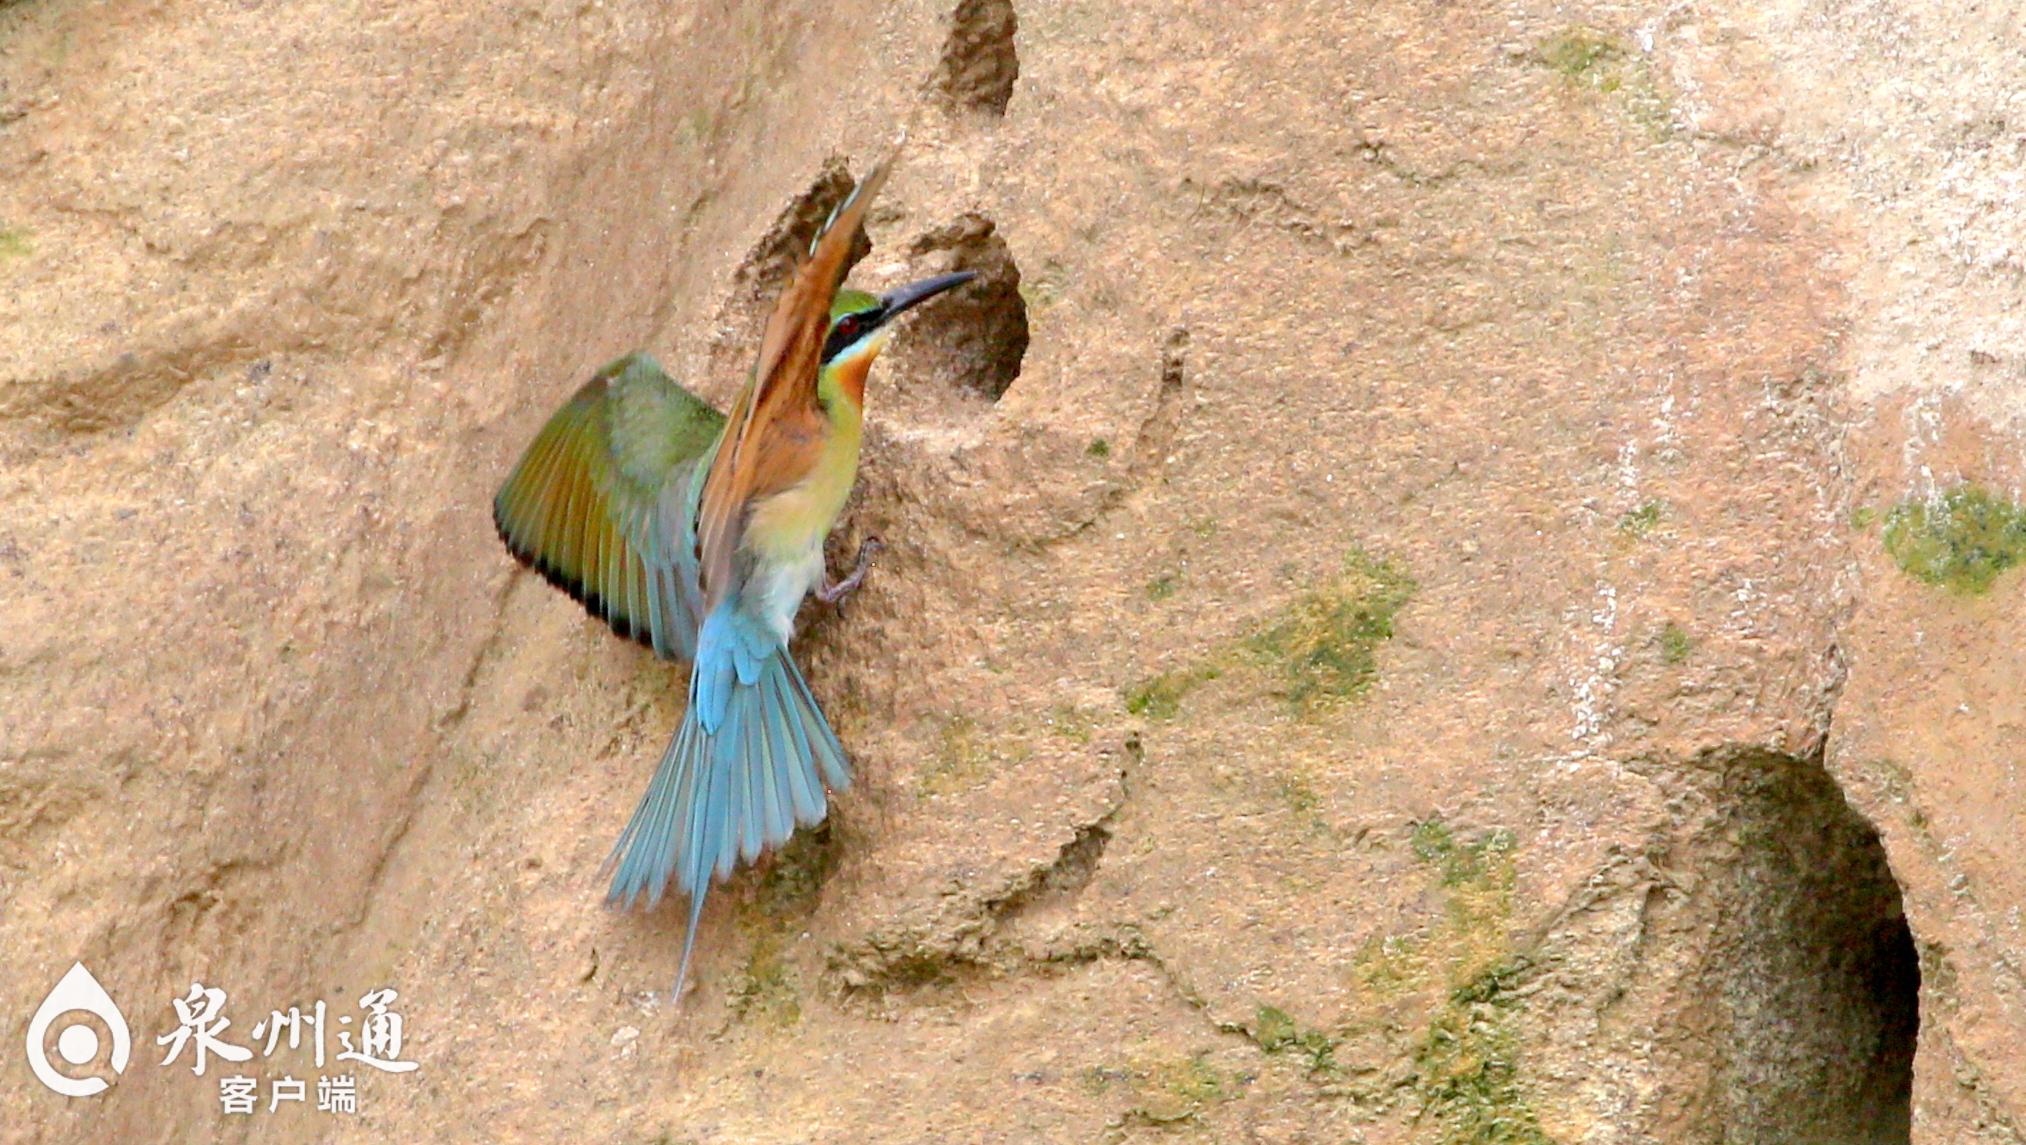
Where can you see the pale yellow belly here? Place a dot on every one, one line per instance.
(797, 518)
(786, 531)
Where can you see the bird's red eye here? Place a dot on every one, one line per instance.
(843, 332)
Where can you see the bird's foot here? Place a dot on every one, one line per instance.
(834, 594)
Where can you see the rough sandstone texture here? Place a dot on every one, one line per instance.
(1387, 633)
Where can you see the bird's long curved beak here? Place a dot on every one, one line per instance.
(893, 302)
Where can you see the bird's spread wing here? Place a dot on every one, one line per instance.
(604, 500)
(776, 431)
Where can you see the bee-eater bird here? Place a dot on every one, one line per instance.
(699, 534)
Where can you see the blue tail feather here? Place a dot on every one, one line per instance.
(805, 794)
(767, 780)
(825, 749)
(750, 815)
(719, 798)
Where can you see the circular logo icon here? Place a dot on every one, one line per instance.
(78, 1043)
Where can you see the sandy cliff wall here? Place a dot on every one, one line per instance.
(1431, 596)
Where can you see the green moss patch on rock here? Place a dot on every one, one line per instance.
(1591, 59)
(1324, 647)
(967, 756)
(1467, 1079)
(785, 892)
(1166, 1091)
(1277, 1032)
(1675, 643)
(1577, 52)
(1161, 697)
(1960, 541)
(1640, 522)
(1172, 1090)
(793, 880)
(1467, 1072)
(766, 991)
(1321, 648)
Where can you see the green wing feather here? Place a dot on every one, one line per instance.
(603, 503)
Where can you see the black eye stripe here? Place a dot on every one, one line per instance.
(847, 330)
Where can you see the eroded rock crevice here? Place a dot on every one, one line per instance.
(772, 259)
(973, 341)
(1809, 983)
(1164, 421)
(980, 63)
(975, 939)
